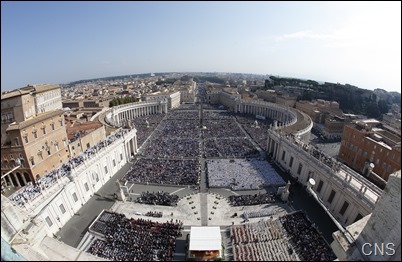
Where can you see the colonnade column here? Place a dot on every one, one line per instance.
(16, 179)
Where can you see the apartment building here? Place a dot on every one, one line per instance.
(32, 132)
(368, 141)
(319, 109)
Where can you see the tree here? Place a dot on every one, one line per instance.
(372, 110)
(383, 106)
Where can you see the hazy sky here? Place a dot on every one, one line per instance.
(358, 43)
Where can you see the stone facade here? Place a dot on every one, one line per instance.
(377, 237)
(346, 194)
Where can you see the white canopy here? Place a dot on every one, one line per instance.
(205, 238)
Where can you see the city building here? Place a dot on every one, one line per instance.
(33, 133)
(319, 109)
(172, 98)
(366, 142)
(332, 128)
(277, 97)
(82, 136)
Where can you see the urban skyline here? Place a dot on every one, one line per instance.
(60, 42)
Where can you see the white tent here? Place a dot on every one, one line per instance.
(205, 238)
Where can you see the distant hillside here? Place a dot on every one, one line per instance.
(351, 99)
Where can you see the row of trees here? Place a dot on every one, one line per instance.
(122, 100)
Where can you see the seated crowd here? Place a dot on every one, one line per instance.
(158, 198)
(172, 148)
(249, 200)
(308, 243)
(242, 174)
(217, 115)
(164, 171)
(260, 241)
(183, 128)
(145, 125)
(129, 239)
(230, 147)
(257, 132)
(222, 129)
(153, 214)
(189, 115)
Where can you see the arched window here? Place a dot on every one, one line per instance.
(27, 177)
(20, 179)
(13, 180)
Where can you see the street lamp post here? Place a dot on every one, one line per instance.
(348, 236)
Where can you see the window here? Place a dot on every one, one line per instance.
(299, 169)
(49, 222)
(106, 170)
(52, 126)
(75, 197)
(344, 207)
(86, 187)
(320, 186)
(283, 155)
(331, 196)
(62, 209)
(358, 217)
(97, 177)
(17, 142)
(88, 145)
(44, 130)
(114, 162)
(291, 162)
(121, 156)
(32, 160)
(26, 139)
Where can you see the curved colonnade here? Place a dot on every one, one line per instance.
(289, 120)
(121, 115)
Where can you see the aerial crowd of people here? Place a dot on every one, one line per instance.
(256, 128)
(129, 239)
(164, 172)
(145, 125)
(32, 191)
(249, 200)
(317, 153)
(260, 241)
(158, 198)
(242, 174)
(308, 243)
